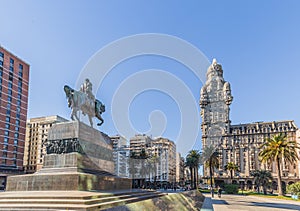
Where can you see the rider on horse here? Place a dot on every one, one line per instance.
(86, 88)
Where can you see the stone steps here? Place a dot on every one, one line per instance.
(71, 201)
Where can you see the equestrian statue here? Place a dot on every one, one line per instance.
(84, 101)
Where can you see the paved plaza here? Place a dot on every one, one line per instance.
(251, 203)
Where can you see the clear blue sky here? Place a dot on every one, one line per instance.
(257, 43)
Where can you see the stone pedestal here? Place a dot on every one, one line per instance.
(78, 158)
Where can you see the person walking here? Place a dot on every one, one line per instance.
(219, 192)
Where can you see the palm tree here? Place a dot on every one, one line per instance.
(231, 167)
(193, 159)
(132, 167)
(262, 178)
(210, 160)
(277, 149)
(189, 162)
(152, 165)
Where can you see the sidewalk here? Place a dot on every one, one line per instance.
(207, 205)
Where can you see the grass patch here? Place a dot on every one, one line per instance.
(275, 196)
(205, 190)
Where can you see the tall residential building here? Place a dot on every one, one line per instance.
(14, 79)
(36, 135)
(139, 143)
(120, 155)
(139, 150)
(179, 169)
(160, 165)
(238, 143)
(165, 150)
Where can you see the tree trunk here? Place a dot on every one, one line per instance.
(197, 176)
(279, 178)
(195, 179)
(265, 190)
(231, 176)
(191, 171)
(210, 174)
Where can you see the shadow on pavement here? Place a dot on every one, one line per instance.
(276, 205)
(219, 201)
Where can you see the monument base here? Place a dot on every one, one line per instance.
(66, 181)
(79, 158)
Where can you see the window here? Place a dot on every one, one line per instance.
(17, 122)
(19, 102)
(3, 161)
(1, 59)
(20, 70)
(15, 148)
(10, 84)
(9, 92)
(19, 96)
(19, 90)
(5, 147)
(7, 112)
(7, 119)
(4, 154)
(11, 62)
(15, 141)
(6, 133)
(5, 140)
(11, 76)
(8, 106)
(11, 68)
(7, 125)
(9, 98)
(20, 83)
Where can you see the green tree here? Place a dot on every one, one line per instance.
(210, 158)
(277, 149)
(193, 161)
(231, 167)
(262, 178)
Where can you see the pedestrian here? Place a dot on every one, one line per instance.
(219, 192)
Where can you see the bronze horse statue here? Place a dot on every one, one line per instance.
(79, 101)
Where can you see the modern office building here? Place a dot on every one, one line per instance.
(120, 155)
(238, 143)
(14, 81)
(36, 135)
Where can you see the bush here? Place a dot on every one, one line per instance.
(294, 189)
(231, 188)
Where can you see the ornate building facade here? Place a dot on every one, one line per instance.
(238, 143)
